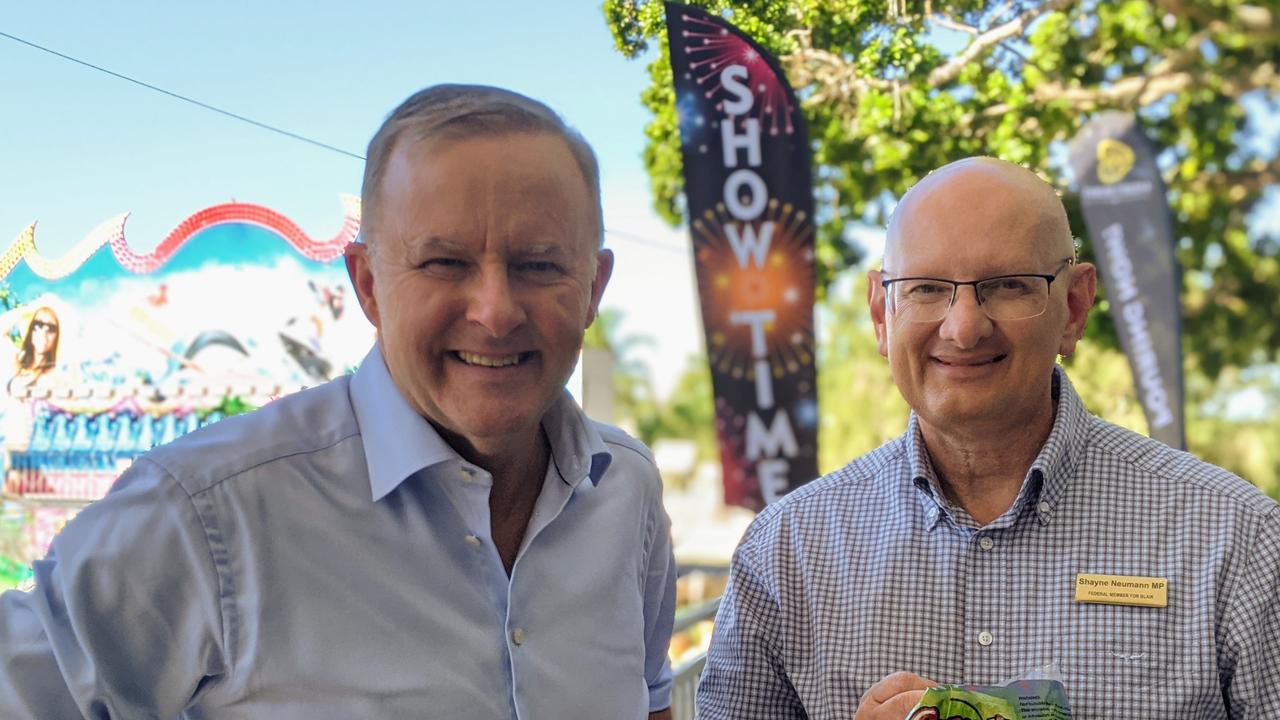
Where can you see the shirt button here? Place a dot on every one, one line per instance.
(517, 636)
(465, 474)
(1044, 507)
(985, 638)
(473, 541)
(986, 543)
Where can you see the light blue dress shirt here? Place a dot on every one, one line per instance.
(329, 556)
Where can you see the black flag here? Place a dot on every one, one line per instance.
(750, 196)
(1127, 215)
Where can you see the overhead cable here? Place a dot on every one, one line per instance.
(184, 98)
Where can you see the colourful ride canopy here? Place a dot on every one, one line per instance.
(112, 351)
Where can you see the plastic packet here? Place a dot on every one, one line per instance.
(1037, 695)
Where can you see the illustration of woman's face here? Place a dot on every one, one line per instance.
(44, 332)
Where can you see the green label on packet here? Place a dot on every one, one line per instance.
(1021, 700)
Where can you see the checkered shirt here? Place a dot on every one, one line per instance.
(870, 570)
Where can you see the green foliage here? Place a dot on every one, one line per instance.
(892, 89)
(1231, 421)
(8, 301)
(859, 406)
(1240, 440)
(12, 573)
(689, 412)
(232, 405)
(8, 298)
(13, 548)
(633, 390)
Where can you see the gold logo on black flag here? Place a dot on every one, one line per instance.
(1115, 160)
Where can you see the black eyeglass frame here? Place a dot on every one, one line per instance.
(956, 285)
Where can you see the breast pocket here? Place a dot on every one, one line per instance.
(1119, 646)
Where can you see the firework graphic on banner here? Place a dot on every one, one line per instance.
(712, 47)
(782, 283)
(750, 199)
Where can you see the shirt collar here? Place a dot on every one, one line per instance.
(1047, 478)
(398, 442)
(577, 449)
(928, 491)
(1056, 463)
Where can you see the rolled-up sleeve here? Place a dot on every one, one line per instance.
(126, 617)
(659, 610)
(744, 677)
(1249, 659)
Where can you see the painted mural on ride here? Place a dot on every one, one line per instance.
(109, 351)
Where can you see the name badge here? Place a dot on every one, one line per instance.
(1122, 590)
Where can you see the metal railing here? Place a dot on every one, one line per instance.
(685, 675)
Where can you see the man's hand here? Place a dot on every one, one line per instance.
(893, 697)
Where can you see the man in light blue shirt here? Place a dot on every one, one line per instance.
(443, 534)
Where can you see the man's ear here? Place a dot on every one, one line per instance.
(875, 303)
(1081, 292)
(360, 270)
(604, 270)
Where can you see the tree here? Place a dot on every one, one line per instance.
(859, 406)
(15, 550)
(892, 89)
(633, 392)
(688, 413)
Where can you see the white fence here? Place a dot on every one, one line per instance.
(685, 675)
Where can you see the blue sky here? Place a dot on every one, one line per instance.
(78, 147)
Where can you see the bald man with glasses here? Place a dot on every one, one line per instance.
(972, 548)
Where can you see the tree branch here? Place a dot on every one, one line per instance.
(1136, 91)
(1256, 175)
(999, 12)
(1142, 90)
(1252, 17)
(949, 70)
(1172, 73)
(1130, 92)
(832, 77)
(951, 23)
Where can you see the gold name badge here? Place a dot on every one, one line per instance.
(1122, 590)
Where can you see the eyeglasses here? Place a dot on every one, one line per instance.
(1002, 297)
(43, 325)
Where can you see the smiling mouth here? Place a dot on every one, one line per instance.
(491, 361)
(971, 363)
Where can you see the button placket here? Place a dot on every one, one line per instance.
(983, 609)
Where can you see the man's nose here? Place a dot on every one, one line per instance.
(965, 323)
(493, 303)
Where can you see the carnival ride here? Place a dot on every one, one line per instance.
(117, 351)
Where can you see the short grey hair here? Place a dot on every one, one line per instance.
(459, 112)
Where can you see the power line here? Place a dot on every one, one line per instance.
(642, 241)
(271, 128)
(186, 99)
